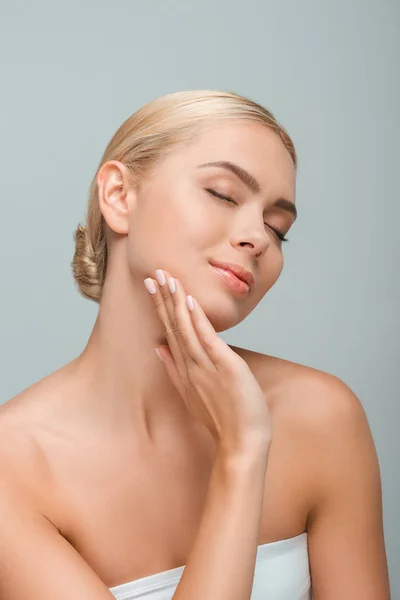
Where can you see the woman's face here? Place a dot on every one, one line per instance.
(177, 223)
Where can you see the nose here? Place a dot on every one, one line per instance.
(256, 245)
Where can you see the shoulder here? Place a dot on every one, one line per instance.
(323, 423)
(326, 422)
(317, 413)
(307, 395)
(23, 465)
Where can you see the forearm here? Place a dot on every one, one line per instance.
(222, 561)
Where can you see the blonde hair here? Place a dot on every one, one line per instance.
(143, 140)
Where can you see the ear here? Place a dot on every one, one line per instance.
(116, 192)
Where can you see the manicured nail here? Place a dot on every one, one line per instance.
(160, 276)
(150, 285)
(171, 285)
(189, 302)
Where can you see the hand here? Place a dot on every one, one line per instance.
(216, 385)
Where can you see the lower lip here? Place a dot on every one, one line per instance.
(232, 281)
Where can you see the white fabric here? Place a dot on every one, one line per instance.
(282, 572)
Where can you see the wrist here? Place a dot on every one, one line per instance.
(253, 453)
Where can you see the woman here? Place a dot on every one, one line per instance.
(258, 474)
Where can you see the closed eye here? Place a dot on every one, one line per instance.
(278, 233)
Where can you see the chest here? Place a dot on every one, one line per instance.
(130, 516)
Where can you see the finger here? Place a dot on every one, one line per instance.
(172, 370)
(217, 351)
(183, 333)
(161, 300)
(191, 347)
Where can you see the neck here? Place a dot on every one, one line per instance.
(122, 384)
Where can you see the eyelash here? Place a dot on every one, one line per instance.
(228, 199)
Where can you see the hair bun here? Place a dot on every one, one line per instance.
(84, 266)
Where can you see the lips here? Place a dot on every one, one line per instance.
(237, 270)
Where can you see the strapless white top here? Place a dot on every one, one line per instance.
(282, 572)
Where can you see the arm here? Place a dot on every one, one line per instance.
(36, 562)
(345, 527)
(222, 562)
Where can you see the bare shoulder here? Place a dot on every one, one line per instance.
(23, 469)
(321, 417)
(314, 410)
(32, 547)
(306, 394)
(23, 464)
(17, 442)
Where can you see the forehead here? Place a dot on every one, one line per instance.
(253, 146)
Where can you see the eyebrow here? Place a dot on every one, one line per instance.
(252, 183)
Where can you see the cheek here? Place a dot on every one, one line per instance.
(275, 266)
(166, 226)
(184, 219)
(270, 269)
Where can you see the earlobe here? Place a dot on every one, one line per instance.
(114, 194)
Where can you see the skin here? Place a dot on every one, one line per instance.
(172, 223)
(90, 433)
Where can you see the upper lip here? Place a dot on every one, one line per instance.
(237, 270)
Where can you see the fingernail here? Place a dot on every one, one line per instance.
(171, 285)
(150, 285)
(160, 276)
(189, 302)
(159, 354)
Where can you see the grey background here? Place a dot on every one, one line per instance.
(71, 73)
